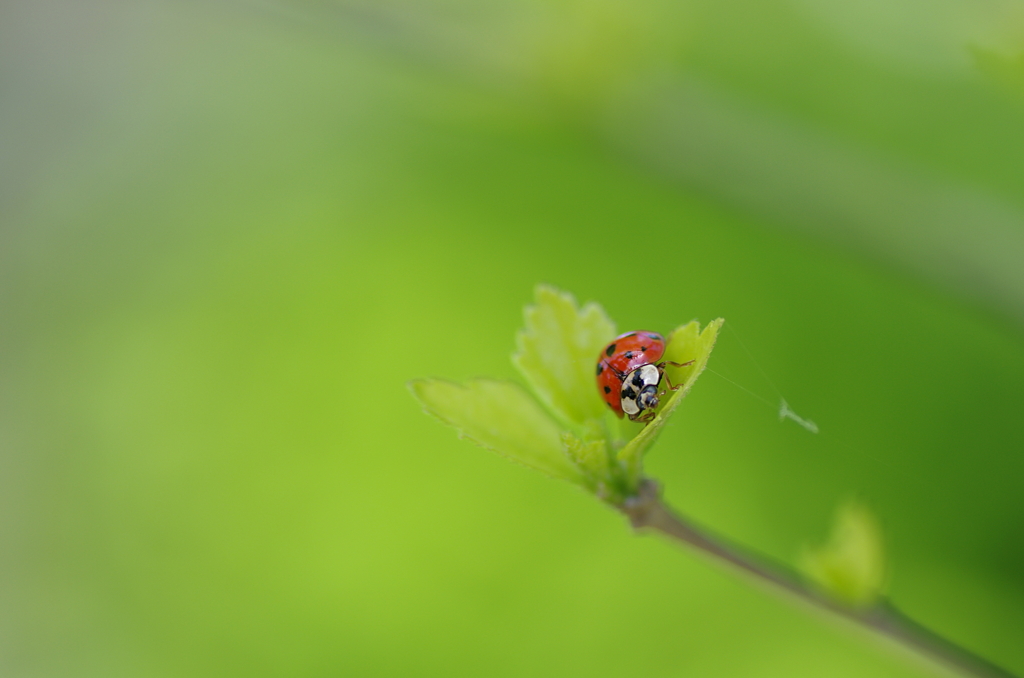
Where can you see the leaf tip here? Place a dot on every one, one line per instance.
(850, 566)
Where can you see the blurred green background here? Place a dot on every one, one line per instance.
(231, 231)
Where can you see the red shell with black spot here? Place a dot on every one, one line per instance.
(621, 356)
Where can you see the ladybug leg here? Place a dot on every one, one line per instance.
(669, 362)
(646, 417)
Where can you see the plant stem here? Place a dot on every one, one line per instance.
(646, 511)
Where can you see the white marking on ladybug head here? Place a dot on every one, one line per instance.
(640, 390)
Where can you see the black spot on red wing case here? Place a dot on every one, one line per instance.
(610, 350)
(607, 389)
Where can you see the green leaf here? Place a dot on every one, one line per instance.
(590, 456)
(558, 350)
(686, 343)
(850, 568)
(502, 417)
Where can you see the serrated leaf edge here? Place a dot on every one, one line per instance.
(578, 479)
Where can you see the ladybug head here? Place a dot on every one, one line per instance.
(648, 397)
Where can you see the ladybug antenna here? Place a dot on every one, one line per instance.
(620, 375)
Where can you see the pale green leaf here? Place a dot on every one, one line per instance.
(558, 350)
(685, 344)
(590, 456)
(850, 568)
(502, 417)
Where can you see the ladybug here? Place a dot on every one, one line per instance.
(629, 374)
